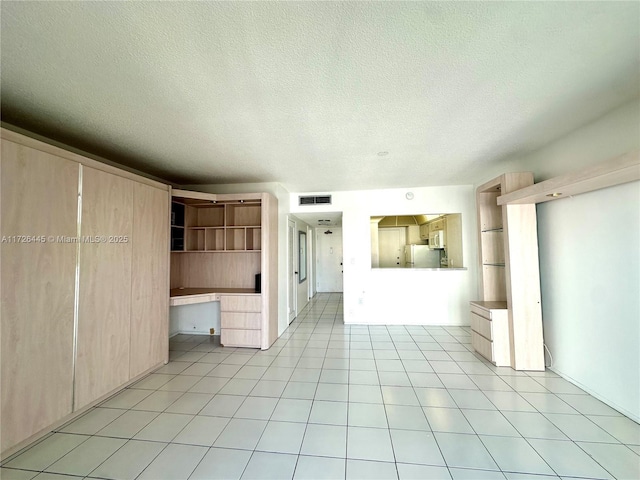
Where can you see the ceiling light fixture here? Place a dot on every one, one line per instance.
(554, 195)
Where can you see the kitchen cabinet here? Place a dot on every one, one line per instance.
(453, 235)
(413, 235)
(509, 268)
(437, 224)
(84, 299)
(424, 231)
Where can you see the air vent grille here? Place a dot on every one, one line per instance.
(315, 200)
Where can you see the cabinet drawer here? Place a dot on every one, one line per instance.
(482, 326)
(243, 320)
(240, 338)
(481, 345)
(240, 303)
(482, 312)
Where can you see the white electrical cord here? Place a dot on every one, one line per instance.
(550, 356)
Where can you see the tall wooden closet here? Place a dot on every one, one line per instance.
(85, 282)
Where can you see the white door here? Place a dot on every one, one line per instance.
(293, 278)
(391, 243)
(329, 260)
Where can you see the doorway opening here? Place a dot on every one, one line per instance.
(329, 260)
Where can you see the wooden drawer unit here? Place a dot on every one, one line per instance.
(490, 331)
(481, 325)
(230, 337)
(240, 303)
(483, 346)
(241, 320)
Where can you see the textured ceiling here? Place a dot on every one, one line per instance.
(307, 94)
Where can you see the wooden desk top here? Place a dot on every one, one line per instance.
(185, 296)
(490, 305)
(181, 292)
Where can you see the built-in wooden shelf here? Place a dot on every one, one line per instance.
(622, 169)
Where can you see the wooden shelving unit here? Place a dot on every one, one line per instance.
(509, 254)
(622, 169)
(226, 240)
(510, 282)
(215, 226)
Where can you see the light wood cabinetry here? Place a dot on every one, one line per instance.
(437, 224)
(424, 231)
(490, 327)
(413, 235)
(241, 320)
(39, 199)
(104, 311)
(453, 234)
(509, 265)
(149, 279)
(84, 284)
(616, 171)
(233, 226)
(227, 241)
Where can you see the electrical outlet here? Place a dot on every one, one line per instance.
(212, 331)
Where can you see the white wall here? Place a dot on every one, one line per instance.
(282, 195)
(590, 266)
(389, 296)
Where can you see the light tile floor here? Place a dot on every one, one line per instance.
(335, 401)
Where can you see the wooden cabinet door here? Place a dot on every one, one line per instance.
(105, 285)
(454, 240)
(413, 234)
(39, 198)
(149, 279)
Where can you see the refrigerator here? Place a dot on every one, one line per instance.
(421, 256)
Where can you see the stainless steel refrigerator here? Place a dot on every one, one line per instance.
(421, 256)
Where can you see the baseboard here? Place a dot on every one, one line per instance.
(594, 394)
(16, 449)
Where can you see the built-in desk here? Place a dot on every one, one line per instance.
(187, 296)
(240, 312)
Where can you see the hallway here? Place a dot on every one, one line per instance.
(330, 400)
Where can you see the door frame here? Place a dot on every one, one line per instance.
(292, 270)
(311, 267)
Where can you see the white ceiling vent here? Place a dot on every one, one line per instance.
(315, 200)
